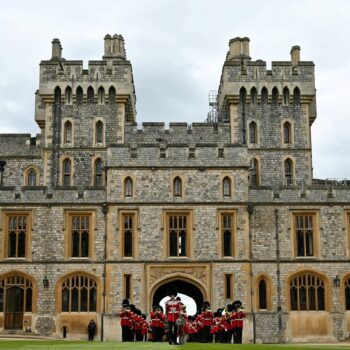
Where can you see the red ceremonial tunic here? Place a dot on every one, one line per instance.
(126, 318)
(172, 308)
(157, 319)
(238, 319)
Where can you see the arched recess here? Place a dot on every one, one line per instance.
(61, 280)
(19, 295)
(268, 291)
(31, 176)
(180, 282)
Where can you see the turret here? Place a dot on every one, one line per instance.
(239, 48)
(295, 55)
(114, 47)
(56, 49)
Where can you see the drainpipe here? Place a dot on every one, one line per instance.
(278, 272)
(250, 210)
(105, 212)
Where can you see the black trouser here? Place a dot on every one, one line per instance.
(237, 335)
(91, 335)
(126, 333)
(138, 335)
(205, 336)
(157, 334)
(172, 332)
(229, 336)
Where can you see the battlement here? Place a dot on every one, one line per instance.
(177, 133)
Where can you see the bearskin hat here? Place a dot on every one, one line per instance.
(125, 302)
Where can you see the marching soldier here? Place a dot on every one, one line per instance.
(126, 321)
(172, 311)
(238, 316)
(206, 318)
(157, 323)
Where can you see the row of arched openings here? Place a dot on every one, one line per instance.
(254, 172)
(264, 96)
(90, 95)
(79, 293)
(287, 133)
(177, 187)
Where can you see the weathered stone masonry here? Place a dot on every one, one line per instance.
(260, 145)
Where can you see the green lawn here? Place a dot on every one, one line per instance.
(65, 345)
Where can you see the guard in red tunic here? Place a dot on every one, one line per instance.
(237, 317)
(172, 311)
(157, 323)
(126, 321)
(138, 321)
(144, 328)
(206, 317)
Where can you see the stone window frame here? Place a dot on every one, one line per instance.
(316, 232)
(63, 159)
(123, 192)
(327, 289)
(135, 232)
(34, 287)
(58, 292)
(286, 96)
(26, 172)
(293, 173)
(64, 142)
(93, 167)
(95, 122)
(68, 214)
(75, 96)
(228, 294)
(219, 217)
(101, 95)
(347, 231)
(6, 214)
(291, 123)
(254, 123)
(222, 190)
(68, 95)
(172, 189)
(267, 279)
(189, 233)
(128, 295)
(258, 171)
(343, 283)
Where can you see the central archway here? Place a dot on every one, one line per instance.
(181, 286)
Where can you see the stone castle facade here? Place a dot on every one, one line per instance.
(95, 208)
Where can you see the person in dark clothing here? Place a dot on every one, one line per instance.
(91, 330)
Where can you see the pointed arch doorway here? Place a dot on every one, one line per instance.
(183, 286)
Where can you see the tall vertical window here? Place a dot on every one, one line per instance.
(101, 95)
(17, 233)
(286, 96)
(287, 130)
(98, 172)
(128, 222)
(228, 286)
(177, 231)
(307, 293)
(67, 132)
(227, 221)
(128, 187)
(177, 187)
(67, 172)
(90, 95)
(296, 96)
(274, 96)
(253, 95)
(262, 295)
(252, 132)
(254, 172)
(79, 95)
(347, 294)
(32, 177)
(226, 187)
(112, 97)
(242, 95)
(127, 286)
(68, 95)
(79, 294)
(304, 234)
(288, 172)
(99, 132)
(264, 96)
(80, 231)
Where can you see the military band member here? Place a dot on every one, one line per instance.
(172, 311)
(238, 316)
(206, 318)
(126, 321)
(157, 323)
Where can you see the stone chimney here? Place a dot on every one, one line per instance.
(114, 47)
(239, 48)
(56, 49)
(295, 55)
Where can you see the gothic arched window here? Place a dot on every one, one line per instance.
(288, 172)
(264, 96)
(112, 95)
(262, 294)
(101, 95)
(226, 187)
(67, 132)
(79, 95)
(99, 132)
(98, 172)
(287, 133)
(286, 96)
(253, 96)
(296, 96)
(32, 177)
(177, 187)
(128, 187)
(90, 95)
(274, 96)
(254, 172)
(67, 172)
(253, 132)
(68, 95)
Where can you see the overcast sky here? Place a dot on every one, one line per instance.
(177, 49)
